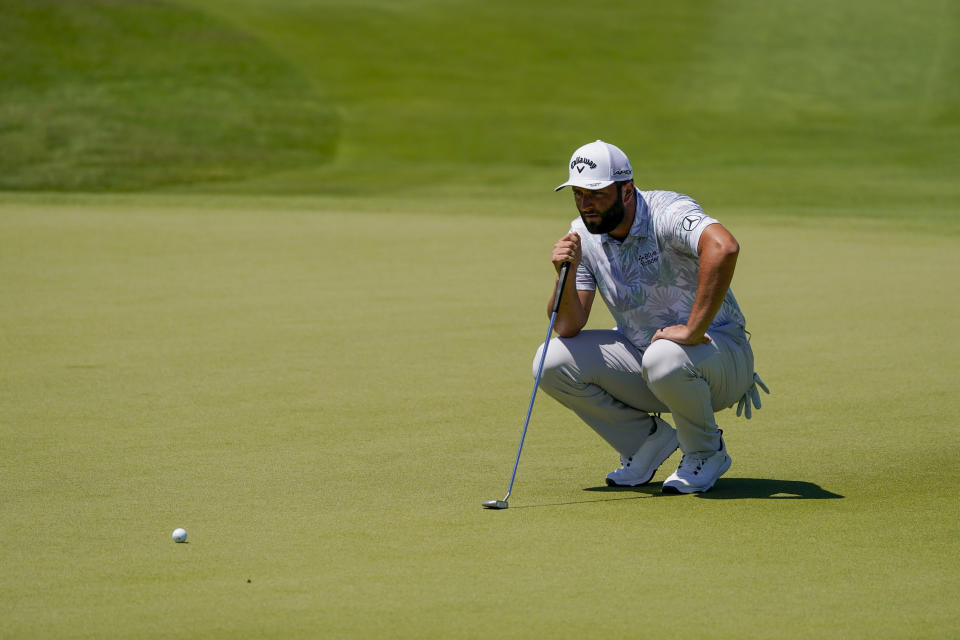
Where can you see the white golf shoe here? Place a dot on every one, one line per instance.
(639, 468)
(698, 472)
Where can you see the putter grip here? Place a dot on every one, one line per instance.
(564, 268)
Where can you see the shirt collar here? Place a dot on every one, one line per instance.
(641, 222)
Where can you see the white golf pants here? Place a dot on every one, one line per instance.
(614, 387)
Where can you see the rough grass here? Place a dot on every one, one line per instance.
(116, 95)
(342, 98)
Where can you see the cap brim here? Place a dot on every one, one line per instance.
(593, 185)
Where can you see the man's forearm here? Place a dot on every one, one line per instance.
(718, 261)
(571, 316)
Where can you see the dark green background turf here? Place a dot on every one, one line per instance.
(304, 330)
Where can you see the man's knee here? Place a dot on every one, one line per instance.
(664, 361)
(556, 366)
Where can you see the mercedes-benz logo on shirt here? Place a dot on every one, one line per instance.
(691, 221)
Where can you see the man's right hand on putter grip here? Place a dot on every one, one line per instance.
(567, 249)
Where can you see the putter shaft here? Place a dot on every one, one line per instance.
(561, 281)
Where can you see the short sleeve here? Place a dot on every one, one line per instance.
(585, 279)
(680, 222)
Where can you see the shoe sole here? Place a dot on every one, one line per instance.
(666, 452)
(677, 490)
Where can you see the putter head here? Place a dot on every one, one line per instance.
(495, 504)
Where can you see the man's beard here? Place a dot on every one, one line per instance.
(609, 219)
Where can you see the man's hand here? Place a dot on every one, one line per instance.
(681, 334)
(574, 305)
(567, 249)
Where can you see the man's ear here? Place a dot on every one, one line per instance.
(626, 191)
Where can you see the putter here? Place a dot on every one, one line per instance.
(502, 504)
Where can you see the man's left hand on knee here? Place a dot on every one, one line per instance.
(681, 334)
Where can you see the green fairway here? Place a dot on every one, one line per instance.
(275, 272)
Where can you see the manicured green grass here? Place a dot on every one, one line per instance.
(307, 338)
(323, 400)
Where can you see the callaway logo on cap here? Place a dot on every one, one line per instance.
(596, 165)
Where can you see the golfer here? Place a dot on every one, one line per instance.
(663, 268)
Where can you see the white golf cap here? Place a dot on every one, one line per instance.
(597, 165)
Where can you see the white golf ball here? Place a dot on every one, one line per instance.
(179, 535)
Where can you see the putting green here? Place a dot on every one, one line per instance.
(323, 400)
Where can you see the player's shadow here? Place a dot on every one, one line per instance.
(733, 488)
(741, 488)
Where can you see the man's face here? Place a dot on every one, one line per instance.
(601, 210)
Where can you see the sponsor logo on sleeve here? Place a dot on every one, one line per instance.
(690, 222)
